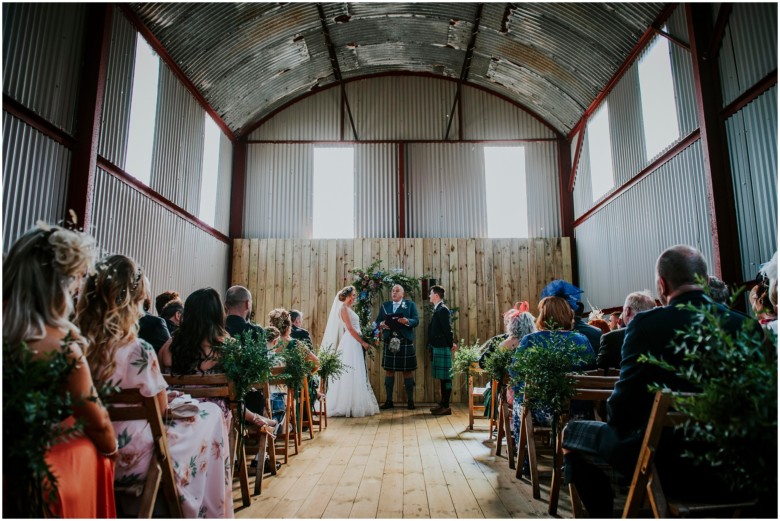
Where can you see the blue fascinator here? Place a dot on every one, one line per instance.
(563, 289)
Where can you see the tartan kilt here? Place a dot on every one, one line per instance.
(442, 363)
(403, 360)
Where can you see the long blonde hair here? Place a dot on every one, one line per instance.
(37, 277)
(108, 311)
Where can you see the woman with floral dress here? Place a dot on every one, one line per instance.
(108, 309)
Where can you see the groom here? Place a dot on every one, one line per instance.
(397, 319)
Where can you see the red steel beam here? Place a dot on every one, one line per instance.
(747, 97)
(672, 39)
(567, 202)
(401, 190)
(105, 164)
(665, 13)
(720, 30)
(237, 189)
(391, 141)
(163, 53)
(720, 191)
(652, 167)
(576, 163)
(92, 88)
(40, 124)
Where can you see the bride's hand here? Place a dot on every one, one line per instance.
(365, 346)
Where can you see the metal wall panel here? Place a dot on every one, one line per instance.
(401, 108)
(752, 138)
(119, 89)
(682, 74)
(315, 117)
(583, 192)
(749, 50)
(224, 183)
(446, 190)
(376, 190)
(178, 143)
(544, 203)
(664, 209)
(42, 47)
(625, 126)
(487, 117)
(175, 254)
(35, 179)
(277, 197)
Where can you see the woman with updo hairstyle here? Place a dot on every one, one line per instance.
(41, 274)
(517, 325)
(280, 319)
(554, 323)
(108, 309)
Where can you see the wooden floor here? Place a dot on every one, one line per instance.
(396, 464)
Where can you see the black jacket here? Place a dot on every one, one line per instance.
(301, 334)
(609, 349)
(593, 334)
(440, 328)
(236, 325)
(153, 329)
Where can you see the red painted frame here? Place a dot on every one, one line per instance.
(40, 124)
(747, 97)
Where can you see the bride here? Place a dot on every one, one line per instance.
(351, 394)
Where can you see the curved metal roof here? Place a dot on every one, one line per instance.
(249, 59)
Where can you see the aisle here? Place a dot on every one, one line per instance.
(397, 464)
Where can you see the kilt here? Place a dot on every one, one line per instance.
(442, 363)
(403, 360)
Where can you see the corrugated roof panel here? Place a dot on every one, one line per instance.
(487, 117)
(314, 117)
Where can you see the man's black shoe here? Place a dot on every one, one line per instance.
(386, 405)
(411, 407)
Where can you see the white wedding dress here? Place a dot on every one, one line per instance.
(350, 395)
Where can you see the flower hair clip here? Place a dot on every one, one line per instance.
(137, 279)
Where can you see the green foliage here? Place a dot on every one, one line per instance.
(331, 364)
(246, 361)
(372, 281)
(543, 367)
(296, 366)
(735, 415)
(465, 356)
(34, 404)
(497, 362)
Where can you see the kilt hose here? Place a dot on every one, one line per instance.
(403, 360)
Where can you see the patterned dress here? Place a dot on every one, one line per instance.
(198, 446)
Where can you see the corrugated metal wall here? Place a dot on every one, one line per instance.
(119, 85)
(749, 49)
(541, 174)
(752, 138)
(315, 117)
(401, 108)
(376, 189)
(178, 143)
(224, 184)
(446, 190)
(175, 254)
(618, 246)
(487, 117)
(277, 200)
(35, 179)
(42, 46)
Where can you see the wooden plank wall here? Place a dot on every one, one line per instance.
(483, 277)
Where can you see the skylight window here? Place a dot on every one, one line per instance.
(210, 173)
(602, 177)
(334, 193)
(505, 192)
(143, 112)
(659, 107)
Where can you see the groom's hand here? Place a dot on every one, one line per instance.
(404, 321)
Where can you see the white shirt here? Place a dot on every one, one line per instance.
(396, 305)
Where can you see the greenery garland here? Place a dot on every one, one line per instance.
(296, 366)
(246, 361)
(465, 357)
(331, 364)
(497, 363)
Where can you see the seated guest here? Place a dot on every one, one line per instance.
(151, 328)
(518, 325)
(719, 292)
(761, 305)
(238, 306)
(172, 314)
(600, 324)
(593, 334)
(554, 324)
(614, 320)
(612, 342)
(297, 327)
(769, 271)
(163, 298)
(107, 312)
(194, 347)
(590, 446)
(40, 274)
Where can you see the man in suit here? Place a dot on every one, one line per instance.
(172, 313)
(593, 334)
(238, 306)
(590, 447)
(441, 345)
(398, 353)
(612, 342)
(297, 330)
(152, 329)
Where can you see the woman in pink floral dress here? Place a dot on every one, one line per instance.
(108, 309)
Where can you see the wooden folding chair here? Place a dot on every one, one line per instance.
(646, 484)
(587, 388)
(218, 386)
(475, 393)
(505, 426)
(527, 442)
(288, 424)
(322, 410)
(304, 410)
(129, 405)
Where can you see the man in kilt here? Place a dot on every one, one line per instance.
(397, 319)
(441, 346)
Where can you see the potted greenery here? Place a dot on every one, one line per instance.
(296, 366)
(331, 364)
(466, 360)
